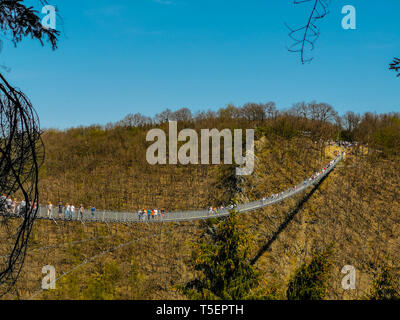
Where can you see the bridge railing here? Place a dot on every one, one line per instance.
(132, 217)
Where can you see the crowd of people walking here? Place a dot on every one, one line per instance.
(13, 206)
(314, 177)
(70, 212)
(150, 214)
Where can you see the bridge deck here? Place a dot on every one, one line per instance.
(132, 217)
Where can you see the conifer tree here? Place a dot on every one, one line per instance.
(385, 286)
(222, 261)
(310, 281)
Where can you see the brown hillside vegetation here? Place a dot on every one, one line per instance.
(356, 207)
(108, 169)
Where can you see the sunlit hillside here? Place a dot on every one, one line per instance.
(356, 208)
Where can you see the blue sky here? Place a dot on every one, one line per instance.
(127, 56)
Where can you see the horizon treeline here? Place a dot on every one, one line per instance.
(320, 121)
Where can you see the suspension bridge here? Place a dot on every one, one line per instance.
(180, 216)
(105, 216)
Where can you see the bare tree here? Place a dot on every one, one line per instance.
(300, 110)
(322, 112)
(21, 150)
(205, 115)
(135, 120)
(254, 111)
(163, 117)
(183, 114)
(270, 110)
(230, 112)
(351, 121)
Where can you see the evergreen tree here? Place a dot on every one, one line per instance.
(310, 281)
(222, 260)
(384, 286)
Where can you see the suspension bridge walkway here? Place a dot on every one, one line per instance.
(131, 217)
(105, 216)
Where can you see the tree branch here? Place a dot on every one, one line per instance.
(307, 35)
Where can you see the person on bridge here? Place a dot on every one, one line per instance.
(81, 211)
(72, 211)
(93, 210)
(60, 208)
(22, 206)
(8, 203)
(148, 214)
(67, 211)
(50, 210)
(17, 207)
(14, 205)
(3, 201)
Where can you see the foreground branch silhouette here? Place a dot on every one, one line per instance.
(21, 154)
(21, 148)
(395, 65)
(306, 36)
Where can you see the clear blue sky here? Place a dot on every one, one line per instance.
(127, 56)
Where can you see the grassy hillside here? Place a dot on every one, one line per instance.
(108, 169)
(356, 208)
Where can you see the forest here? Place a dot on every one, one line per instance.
(81, 158)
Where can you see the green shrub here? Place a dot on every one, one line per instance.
(222, 262)
(310, 281)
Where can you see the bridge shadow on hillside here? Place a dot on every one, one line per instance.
(288, 219)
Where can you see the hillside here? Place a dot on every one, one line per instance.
(356, 208)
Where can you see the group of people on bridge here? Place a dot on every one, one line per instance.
(150, 214)
(216, 210)
(12, 206)
(315, 176)
(68, 210)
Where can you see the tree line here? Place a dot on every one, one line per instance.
(319, 120)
